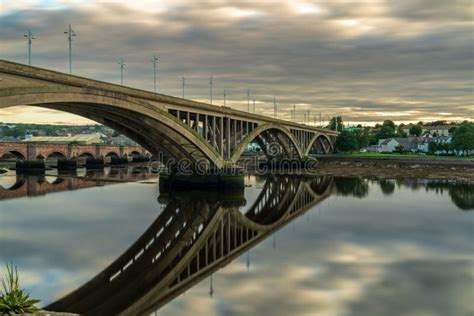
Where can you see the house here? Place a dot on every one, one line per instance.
(390, 145)
(438, 130)
(426, 140)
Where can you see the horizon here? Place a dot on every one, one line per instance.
(366, 61)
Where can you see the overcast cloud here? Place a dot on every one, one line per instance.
(365, 60)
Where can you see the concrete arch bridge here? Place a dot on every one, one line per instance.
(168, 127)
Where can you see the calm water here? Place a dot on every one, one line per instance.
(315, 246)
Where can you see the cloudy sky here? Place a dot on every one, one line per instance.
(366, 60)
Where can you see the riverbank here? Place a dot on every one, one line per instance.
(461, 170)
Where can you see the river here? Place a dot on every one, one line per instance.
(283, 245)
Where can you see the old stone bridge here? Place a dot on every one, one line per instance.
(33, 151)
(169, 127)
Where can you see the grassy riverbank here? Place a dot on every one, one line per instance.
(395, 155)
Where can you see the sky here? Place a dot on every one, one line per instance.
(367, 60)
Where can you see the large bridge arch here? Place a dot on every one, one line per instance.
(321, 144)
(282, 135)
(115, 108)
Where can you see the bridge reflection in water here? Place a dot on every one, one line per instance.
(194, 236)
(19, 185)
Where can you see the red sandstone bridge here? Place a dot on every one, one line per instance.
(33, 151)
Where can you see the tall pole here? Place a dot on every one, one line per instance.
(225, 95)
(248, 100)
(274, 107)
(210, 88)
(294, 112)
(183, 80)
(122, 64)
(30, 37)
(320, 121)
(70, 35)
(304, 119)
(154, 61)
(308, 116)
(253, 105)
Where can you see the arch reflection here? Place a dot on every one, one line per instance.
(194, 236)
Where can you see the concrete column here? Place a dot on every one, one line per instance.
(197, 123)
(221, 226)
(221, 135)
(214, 138)
(228, 137)
(177, 115)
(121, 151)
(235, 134)
(188, 118)
(204, 127)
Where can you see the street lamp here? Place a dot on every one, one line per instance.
(210, 88)
(248, 100)
(154, 61)
(274, 107)
(225, 95)
(183, 81)
(30, 37)
(70, 35)
(122, 64)
(253, 105)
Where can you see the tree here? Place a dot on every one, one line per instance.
(389, 123)
(336, 123)
(399, 148)
(415, 130)
(401, 132)
(385, 132)
(463, 137)
(346, 141)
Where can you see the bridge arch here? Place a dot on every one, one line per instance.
(320, 144)
(55, 155)
(267, 134)
(12, 155)
(86, 154)
(163, 131)
(112, 154)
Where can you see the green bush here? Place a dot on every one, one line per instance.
(15, 300)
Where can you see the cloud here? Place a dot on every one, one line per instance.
(333, 56)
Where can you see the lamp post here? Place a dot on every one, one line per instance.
(225, 95)
(210, 88)
(294, 113)
(183, 82)
(248, 100)
(274, 107)
(30, 37)
(122, 64)
(70, 35)
(154, 61)
(253, 105)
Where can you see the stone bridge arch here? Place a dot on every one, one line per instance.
(269, 135)
(137, 119)
(320, 144)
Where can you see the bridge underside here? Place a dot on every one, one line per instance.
(172, 129)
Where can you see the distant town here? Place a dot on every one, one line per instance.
(75, 134)
(441, 138)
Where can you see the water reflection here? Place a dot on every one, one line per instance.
(193, 236)
(14, 185)
(386, 238)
